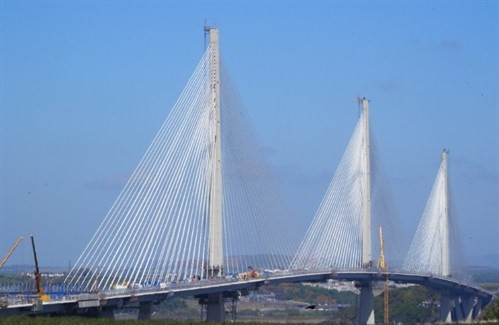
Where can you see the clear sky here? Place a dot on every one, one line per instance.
(85, 85)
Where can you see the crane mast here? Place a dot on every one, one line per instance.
(383, 266)
(38, 275)
(11, 250)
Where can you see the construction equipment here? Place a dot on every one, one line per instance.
(11, 250)
(4, 301)
(38, 276)
(383, 266)
(251, 274)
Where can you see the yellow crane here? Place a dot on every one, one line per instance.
(383, 266)
(38, 275)
(11, 250)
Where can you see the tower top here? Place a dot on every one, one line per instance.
(212, 32)
(363, 103)
(207, 28)
(445, 152)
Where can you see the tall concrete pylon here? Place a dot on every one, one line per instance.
(366, 199)
(215, 255)
(366, 308)
(445, 219)
(215, 311)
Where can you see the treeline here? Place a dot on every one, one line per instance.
(310, 294)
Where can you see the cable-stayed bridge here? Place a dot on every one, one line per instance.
(167, 223)
(202, 209)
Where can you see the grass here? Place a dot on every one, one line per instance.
(25, 320)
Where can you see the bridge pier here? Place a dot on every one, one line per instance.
(145, 310)
(215, 307)
(366, 305)
(467, 305)
(477, 308)
(218, 305)
(446, 306)
(459, 309)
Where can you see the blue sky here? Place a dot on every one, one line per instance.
(85, 85)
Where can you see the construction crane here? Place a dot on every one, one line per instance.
(11, 250)
(383, 266)
(38, 275)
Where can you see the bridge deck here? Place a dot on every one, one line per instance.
(128, 297)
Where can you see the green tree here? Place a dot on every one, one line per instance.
(491, 312)
(415, 304)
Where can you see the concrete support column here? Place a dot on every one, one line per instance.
(467, 305)
(477, 309)
(145, 310)
(366, 307)
(445, 308)
(458, 307)
(215, 310)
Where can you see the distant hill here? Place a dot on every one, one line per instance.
(25, 268)
(485, 260)
(484, 269)
(484, 275)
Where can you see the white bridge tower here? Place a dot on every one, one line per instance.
(445, 218)
(366, 200)
(215, 246)
(366, 308)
